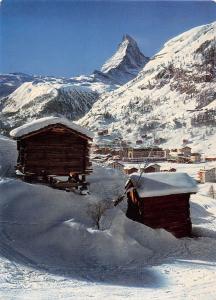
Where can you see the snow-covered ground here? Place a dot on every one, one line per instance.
(51, 249)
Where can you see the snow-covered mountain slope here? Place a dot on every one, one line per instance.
(30, 97)
(33, 100)
(10, 82)
(127, 61)
(172, 98)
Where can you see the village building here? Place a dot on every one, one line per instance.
(116, 165)
(112, 150)
(103, 132)
(130, 170)
(141, 154)
(185, 151)
(101, 158)
(161, 200)
(116, 157)
(181, 159)
(168, 170)
(210, 158)
(195, 157)
(151, 168)
(167, 153)
(207, 175)
(53, 146)
(102, 150)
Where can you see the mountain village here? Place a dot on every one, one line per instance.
(130, 159)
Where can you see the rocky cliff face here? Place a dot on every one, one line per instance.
(126, 63)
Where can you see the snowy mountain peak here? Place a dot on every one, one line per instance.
(127, 37)
(127, 61)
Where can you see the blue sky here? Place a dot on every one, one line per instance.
(67, 38)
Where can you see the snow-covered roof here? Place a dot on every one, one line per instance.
(44, 122)
(161, 184)
(151, 165)
(130, 168)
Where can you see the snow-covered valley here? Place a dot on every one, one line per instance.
(51, 249)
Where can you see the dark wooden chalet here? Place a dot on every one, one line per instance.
(53, 146)
(130, 170)
(151, 168)
(161, 200)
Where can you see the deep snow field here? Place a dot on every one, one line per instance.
(50, 247)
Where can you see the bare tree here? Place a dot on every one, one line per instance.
(97, 210)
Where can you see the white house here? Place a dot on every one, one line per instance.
(207, 175)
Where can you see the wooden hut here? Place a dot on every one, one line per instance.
(161, 200)
(53, 146)
(151, 168)
(130, 170)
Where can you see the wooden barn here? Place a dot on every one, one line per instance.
(53, 146)
(151, 168)
(161, 200)
(130, 170)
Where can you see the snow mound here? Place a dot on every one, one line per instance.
(54, 231)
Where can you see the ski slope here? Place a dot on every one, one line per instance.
(51, 249)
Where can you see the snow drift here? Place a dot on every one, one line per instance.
(54, 230)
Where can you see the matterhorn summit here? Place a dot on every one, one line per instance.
(126, 63)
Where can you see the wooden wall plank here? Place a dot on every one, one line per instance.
(57, 150)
